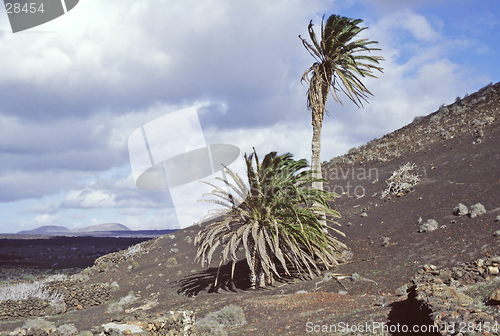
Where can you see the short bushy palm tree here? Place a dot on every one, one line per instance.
(339, 63)
(273, 219)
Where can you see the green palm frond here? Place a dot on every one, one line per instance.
(273, 220)
(338, 63)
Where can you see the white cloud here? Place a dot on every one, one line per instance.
(283, 137)
(49, 207)
(414, 23)
(88, 198)
(69, 100)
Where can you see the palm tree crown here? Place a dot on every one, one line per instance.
(272, 219)
(338, 62)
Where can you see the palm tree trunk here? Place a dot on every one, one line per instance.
(253, 270)
(315, 158)
(317, 124)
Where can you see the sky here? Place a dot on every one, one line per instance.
(73, 90)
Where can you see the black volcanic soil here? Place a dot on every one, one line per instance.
(457, 154)
(26, 255)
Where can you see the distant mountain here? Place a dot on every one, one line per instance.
(47, 229)
(102, 227)
(99, 230)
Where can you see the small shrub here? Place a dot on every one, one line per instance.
(231, 316)
(458, 109)
(402, 180)
(208, 328)
(133, 250)
(418, 119)
(25, 290)
(443, 109)
(103, 267)
(435, 118)
(214, 323)
(129, 299)
(171, 262)
(114, 307)
(353, 151)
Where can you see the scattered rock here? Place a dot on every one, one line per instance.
(343, 256)
(429, 226)
(385, 241)
(67, 330)
(445, 275)
(440, 292)
(40, 324)
(477, 210)
(495, 297)
(493, 270)
(381, 301)
(133, 329)
(115, 286)
(402, 291)
(496, 233)
(85, 333)
(460, 210)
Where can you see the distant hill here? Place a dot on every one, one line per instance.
(102, 227)
(47, 229)
(99, 230)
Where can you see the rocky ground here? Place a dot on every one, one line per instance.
(419, 259)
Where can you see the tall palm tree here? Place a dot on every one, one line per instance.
(337, 67)
(272, 218)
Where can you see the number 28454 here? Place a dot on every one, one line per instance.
(26, 8)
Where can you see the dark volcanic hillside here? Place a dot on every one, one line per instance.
(456, 152)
